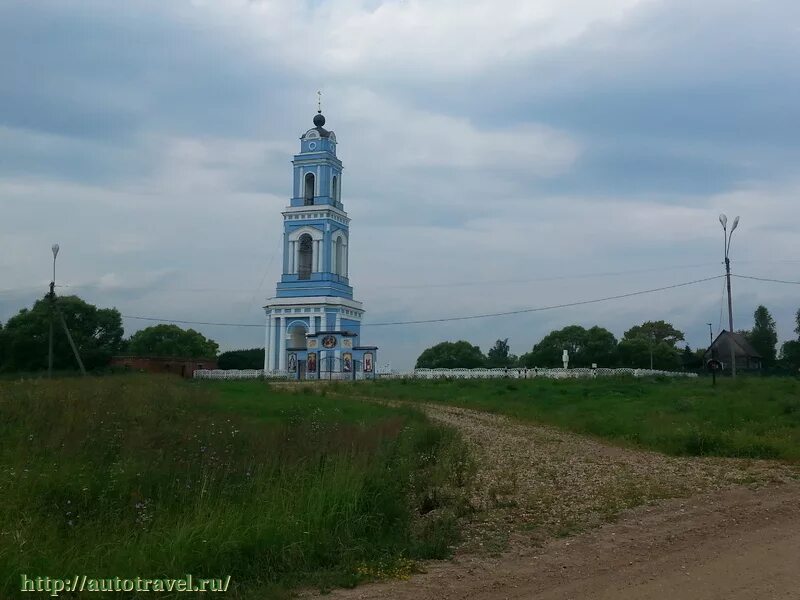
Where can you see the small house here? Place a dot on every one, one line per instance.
(747, 358)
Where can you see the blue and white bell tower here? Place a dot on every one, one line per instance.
(313, 322)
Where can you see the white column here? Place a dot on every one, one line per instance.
(267, 331)
(272, 330)
(344, 259)
(312, 324)
(317, 262)
(323, 322)
(292, 257)
(282, 322)
(338, 321)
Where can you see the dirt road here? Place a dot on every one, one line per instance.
(731, 530)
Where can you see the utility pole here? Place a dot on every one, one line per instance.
(727, 244)
(53, 311)
(52, 299)
(710, 335)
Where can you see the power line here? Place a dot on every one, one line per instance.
(551, 307)
(463, 318)
(160, 320)
(766, 279)
(544, 279)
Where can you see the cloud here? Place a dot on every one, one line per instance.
(529, 153)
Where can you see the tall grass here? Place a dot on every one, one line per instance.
(152, 477)
(749, 417)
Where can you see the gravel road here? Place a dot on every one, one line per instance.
(559, 516)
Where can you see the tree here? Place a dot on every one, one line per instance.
(242, 359)
(171, 340)
(692, 359)
(97, 333)
(652, 338)
(790, 351)
(585, 346)
(500, 355)
(658, 331)
(790, 355)
(764, 335)
(451, 355)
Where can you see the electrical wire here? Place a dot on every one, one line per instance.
(462, 318)
(766, 279)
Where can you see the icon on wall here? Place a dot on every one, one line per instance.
(347, 362)
(347, 343)
(292, 362)
(368, 362)
(312, 343)
(329, 341)
(312, 362)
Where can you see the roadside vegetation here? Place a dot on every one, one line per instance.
(155, 477)
(747, 418)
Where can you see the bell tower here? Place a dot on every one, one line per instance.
(314, 295)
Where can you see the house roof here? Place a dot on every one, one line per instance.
(741, 345)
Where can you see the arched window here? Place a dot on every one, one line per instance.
(335, 189)
(309, 189)
(338, 252)
(305, 254)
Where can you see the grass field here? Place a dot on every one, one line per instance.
(155, 477)
(749, 417)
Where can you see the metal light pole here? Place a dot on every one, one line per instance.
(710, 335)
(52, 297)
(727, 244)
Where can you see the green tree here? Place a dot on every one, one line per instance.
(652, 338)
(658, 331)
(790, 355)
(790, 351)
(171, 340)
(585, 346)
(451, 355)
(97, 333)
(500, 355)
(764, 335)
(692, 359)
(252, 358)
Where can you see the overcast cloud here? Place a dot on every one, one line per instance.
(561, 149)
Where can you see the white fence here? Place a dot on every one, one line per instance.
(450, 374)
(558, 373)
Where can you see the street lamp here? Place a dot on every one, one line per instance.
(710, 335)
(727, 246)
(55, 250)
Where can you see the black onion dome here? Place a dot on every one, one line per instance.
(319, 120)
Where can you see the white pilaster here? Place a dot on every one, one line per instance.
(282, 322)
(338, 321)
(272, 330)
(312, 324)
(323, 323)
(345, 260)
(267, 330)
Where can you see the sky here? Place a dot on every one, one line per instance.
(499, 155)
